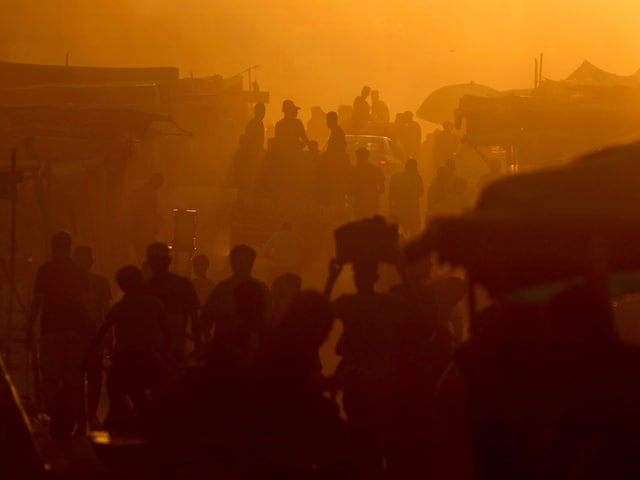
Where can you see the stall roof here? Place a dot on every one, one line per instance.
(75, 122)
(21, 75)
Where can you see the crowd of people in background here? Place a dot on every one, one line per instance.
(226, 375)
(323, 170)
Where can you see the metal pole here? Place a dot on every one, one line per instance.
(12, 254)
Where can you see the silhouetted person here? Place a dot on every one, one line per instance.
(290, 134)
(379, 109)
(201, 281)
(145, 221)
(299, 432)
(445, 145)
(367, 370)
(367, 185)
(283, 290)
(405, 190)
(60, 293)
(98, 302)
(333, 178)
(413, 136)
(361, 111)
(178, 296)
(337, 143)
(220, 309)
(315, 126)
(141, 349)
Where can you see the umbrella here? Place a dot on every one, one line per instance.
(440, 105)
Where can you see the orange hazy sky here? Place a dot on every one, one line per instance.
(321, 52)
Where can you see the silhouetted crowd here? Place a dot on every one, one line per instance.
(226, 379)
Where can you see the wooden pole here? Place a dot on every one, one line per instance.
(540, 69)
(535, 72)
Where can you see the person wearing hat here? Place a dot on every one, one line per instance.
(290, 134)
(178, 296)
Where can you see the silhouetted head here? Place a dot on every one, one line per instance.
(447, 126)
(316, 112)
(411, 165)
(156, 181)
(408, 116)
(362, 156)
(375, 95)
(259, 110)
(129, 279)
(200, 264)
(83, 256)
(61, 244)
(365, 91)
(365, 276)
(332, 119)
(242, 258)
(289, 108)
(159, 258)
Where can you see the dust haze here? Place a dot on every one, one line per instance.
(320, 53)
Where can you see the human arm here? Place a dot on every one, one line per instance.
(335, 268)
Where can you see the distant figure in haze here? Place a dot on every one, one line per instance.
(178, 296)
(413, 137)
(445, 145)
(201, 282)
(220, 310)
(405, 190)
(361, 111)
(290, 134)
(254, 132)
(98, 302)
(337, 143)
(333, 172)
(60, 293)
(379, 109)
(145, 221)
(367, 185)
(315, 127)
